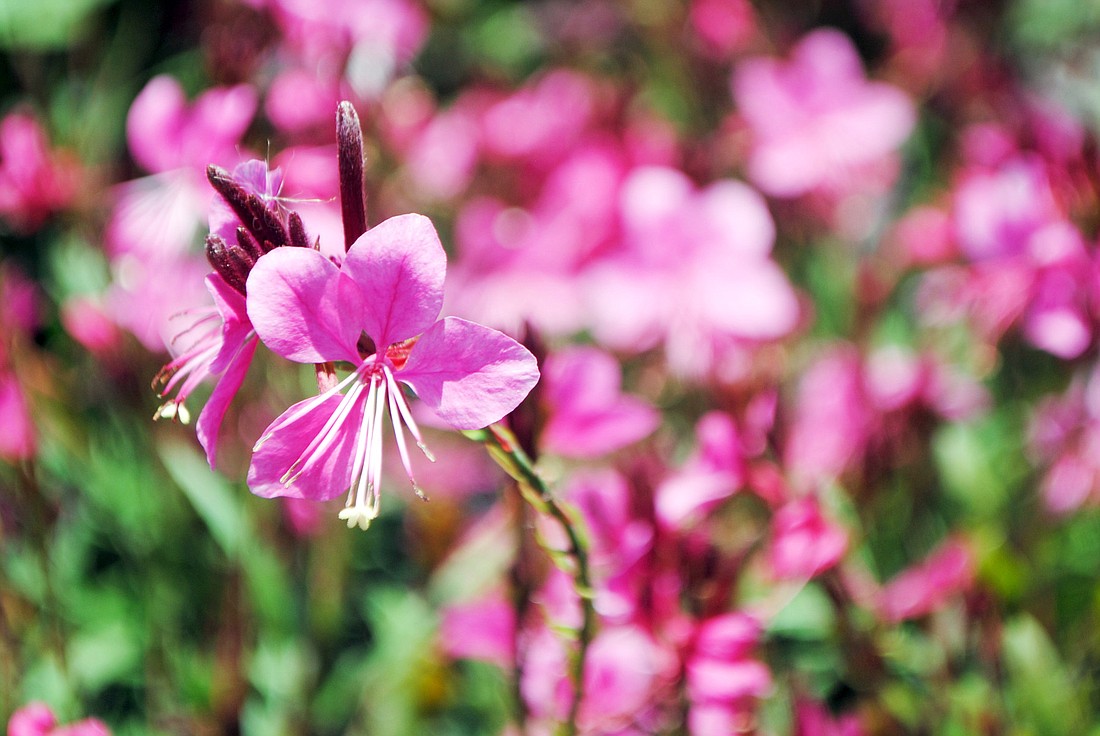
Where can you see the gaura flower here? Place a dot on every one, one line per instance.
(390, 286)
(246, 221)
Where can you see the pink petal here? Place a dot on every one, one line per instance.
(210, 419)
(153, 124)
(684, 498)
(470, 375)
(33, 719)
(589, 415)
(235, 323)
(17, 432)
(399, 267)
(303, 308)
(284, 441)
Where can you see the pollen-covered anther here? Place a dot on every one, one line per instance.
(358, 516)
(173, 410)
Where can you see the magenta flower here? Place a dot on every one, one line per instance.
(589, 414)
(816, 121)
(36, 719)
(926, 586)
(308, 310)
(804, 542)
(35, 180)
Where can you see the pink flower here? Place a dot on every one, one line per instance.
(695, 273)
(804, 543)
(483, 629)
(246, 222)
(723, 26)
(815, 120)
(36, 719)
(925, 587)
(589, 416)
(155, 219)
(1065, 436)
(714, 472)
(34, 181)
(724, 679)
(832, 422)
(17, 432)
(308, 310)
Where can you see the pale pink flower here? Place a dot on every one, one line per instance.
(694, 272)
(724, 680)
(832, 422)
(156, 219)
(1064, 436)
(714, 472)
(815, 120)
(588, 414)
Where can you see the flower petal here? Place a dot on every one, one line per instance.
(210, 419)
(469, 374)
(284, 441)
(399, 267)
(303, 308)
(235, 323)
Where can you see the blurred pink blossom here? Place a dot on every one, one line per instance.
(804, 542)
(155, 219)
(1064, 436)
(541, 121)
(589, 416)
(832, 422)
(813, 719)
(87, 322)
(17, 432)
(1030, 264)
(923, 588)
(694, 272)
(35, 181)
(815, 120)
(483, 629)
(714, 472)
(723, 678)
(723, 26)
(36, 719)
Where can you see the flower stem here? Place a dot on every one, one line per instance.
(505, 450)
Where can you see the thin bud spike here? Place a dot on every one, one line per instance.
(242, 264)
(298, 237)
(226, 265)
(249, 243)
(353, 196)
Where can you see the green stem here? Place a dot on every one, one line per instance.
(505, 450)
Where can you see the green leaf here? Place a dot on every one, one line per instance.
(1041, 692)
(215, 501)
(45, 24)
